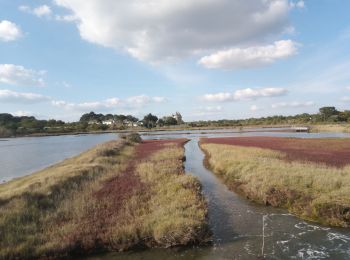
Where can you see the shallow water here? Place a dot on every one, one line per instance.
(22, 156)
(245, 230)
(241, 229)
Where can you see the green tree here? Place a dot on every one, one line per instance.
(150, 120)
(327, 112)
(169, 120)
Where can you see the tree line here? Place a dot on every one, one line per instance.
(326, 115)
(24, 125)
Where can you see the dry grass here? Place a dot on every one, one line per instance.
(312, 191)
(33, 207)
(102, 200)
(336, 128)
(177, 210)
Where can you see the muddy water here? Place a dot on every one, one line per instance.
(245, 230)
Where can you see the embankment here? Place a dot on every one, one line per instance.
(117, 196)
(311, 178)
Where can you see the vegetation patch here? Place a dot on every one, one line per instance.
(332, 151)
(313, 191)
(117, 196)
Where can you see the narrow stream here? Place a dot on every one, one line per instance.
(245, 230)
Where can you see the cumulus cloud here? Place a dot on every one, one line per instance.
(245, 94)
(158, 30)
(9, 31)
(18, 75)
(85, 106)
(136, 101)
(238, 58)
(40, 11)
(9, 96)
(293, 104)
(45, 11)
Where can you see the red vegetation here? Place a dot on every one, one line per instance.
(95, 228)
(333, 152)
(124, 185)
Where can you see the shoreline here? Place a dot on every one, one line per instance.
(150, 131)
(309, 203)
(117, 196)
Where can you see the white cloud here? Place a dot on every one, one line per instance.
(66, 18)
(18, 75)
(9, 96)
(9, 31)
(85, 106)
(136, 101)
(40, 11)
(46, 11)
(158, 30)
(207, 111)
(293, 104)
(237, 58)
(245, 94)
(297, 4)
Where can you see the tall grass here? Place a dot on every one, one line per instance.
(177, 210)
(102, 200)
(312, 191)
(33, 207)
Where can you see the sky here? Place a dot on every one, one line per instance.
(208, 59)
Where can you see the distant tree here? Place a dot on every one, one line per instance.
(169, 120)
(4, 132)
(160, 122)
(327, 112)
(119, 118)
(150, 120)
(178, 118)
(91, 117)
(132, 118)
(107, 117)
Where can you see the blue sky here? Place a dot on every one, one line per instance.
(207, 59)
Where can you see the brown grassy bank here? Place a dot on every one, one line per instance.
(313, 191)
(116, 196)
(335, 128)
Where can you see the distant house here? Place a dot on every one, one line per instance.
(94, 122)
(129, 123)
(108, 122)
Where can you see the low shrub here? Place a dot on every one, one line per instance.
(132, 137)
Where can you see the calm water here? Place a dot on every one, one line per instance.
(22, 156)
(241, 229)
